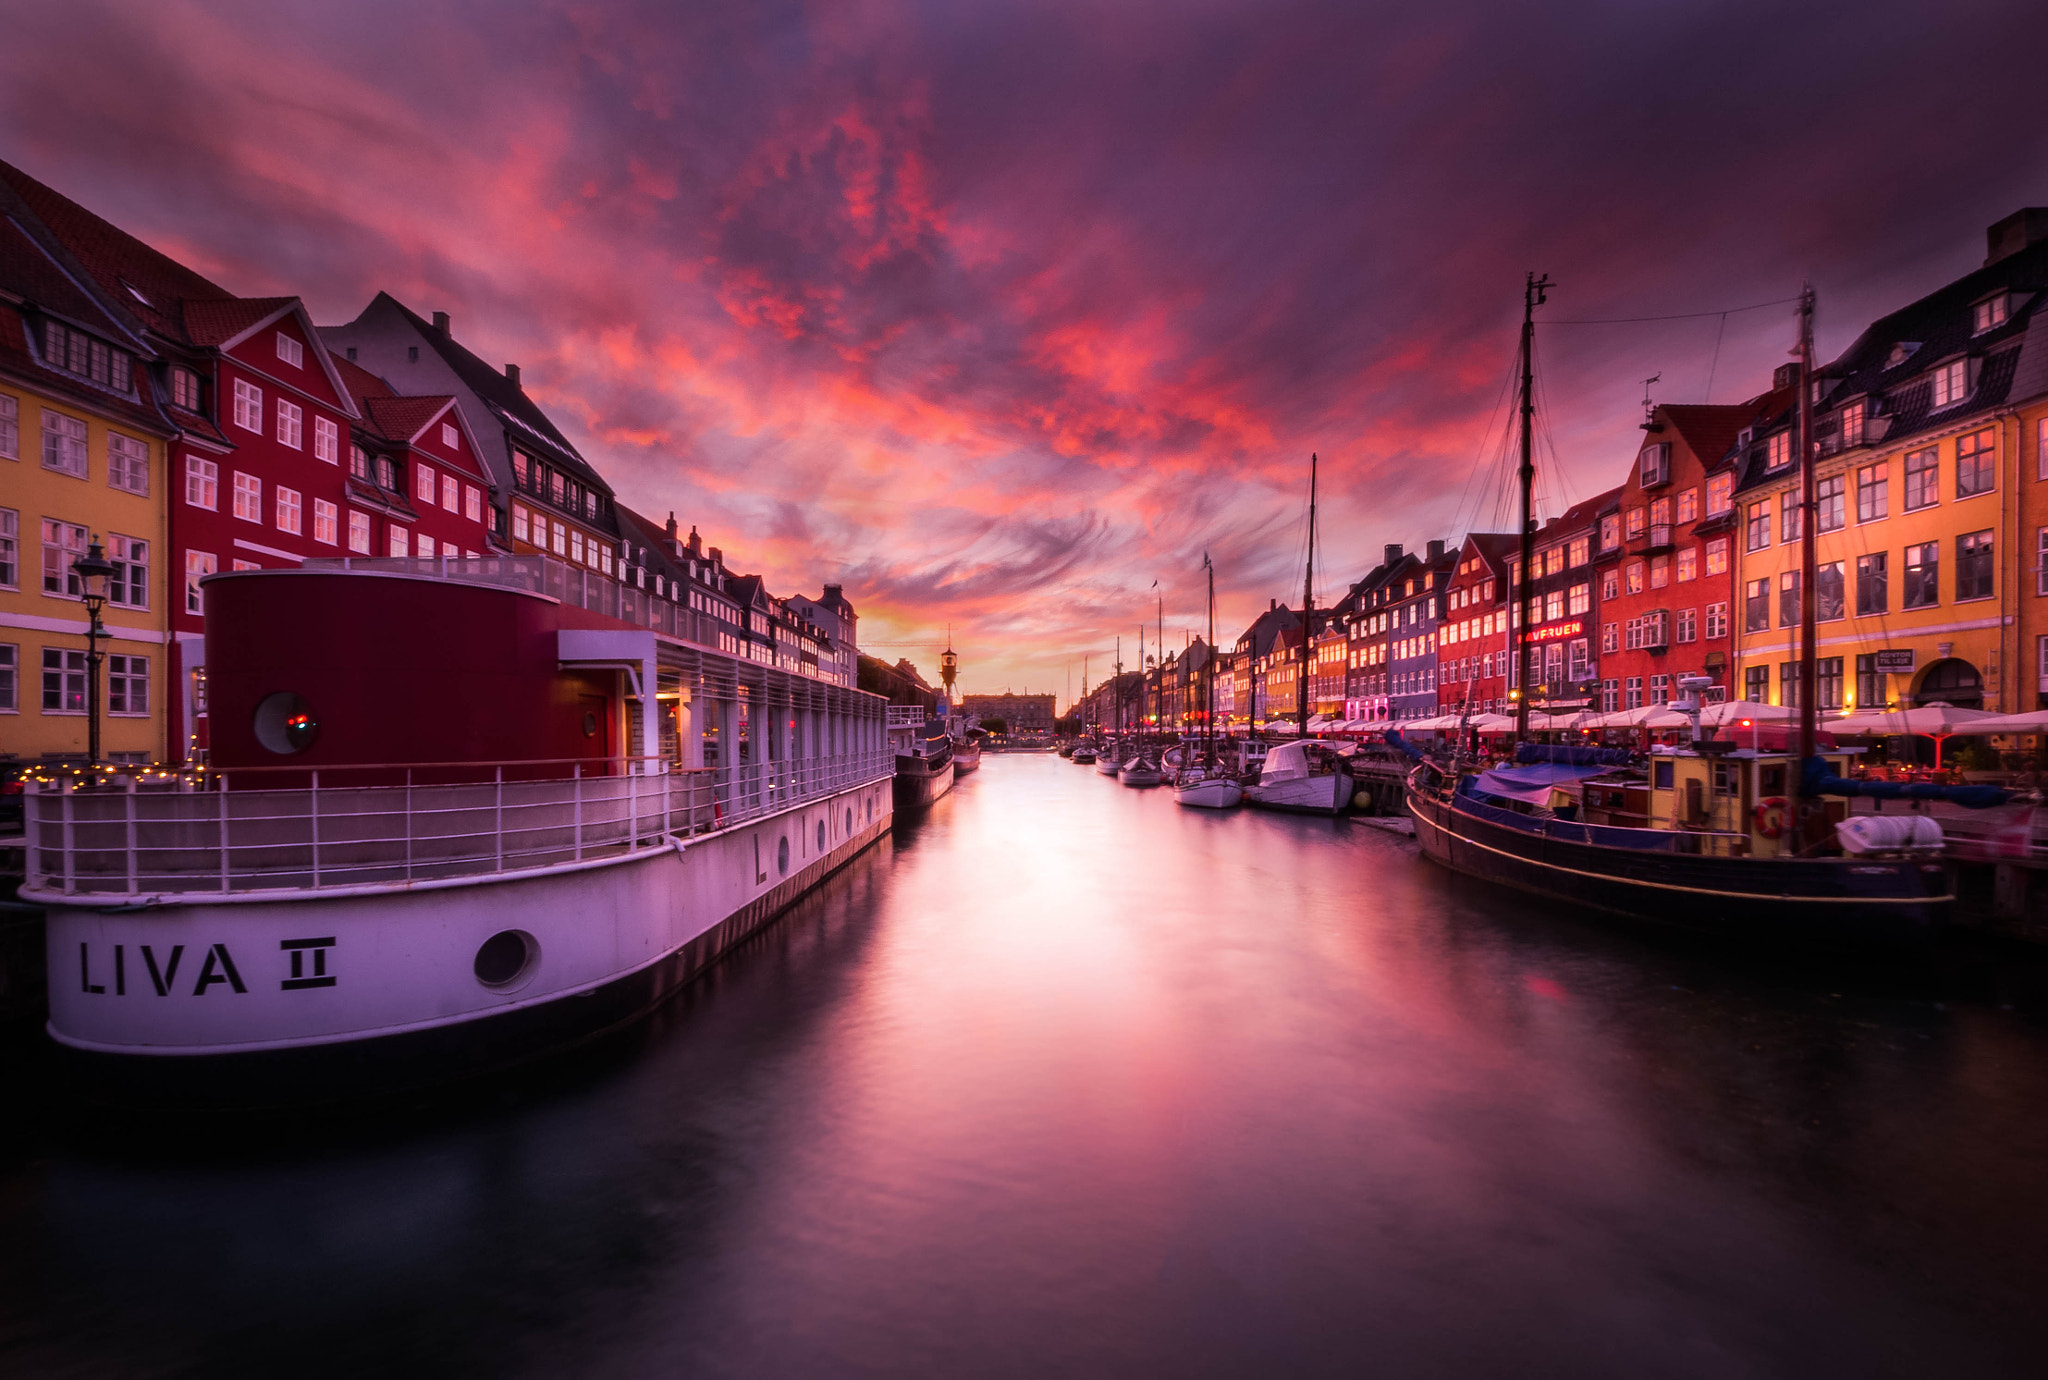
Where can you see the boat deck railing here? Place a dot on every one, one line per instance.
(328, 828)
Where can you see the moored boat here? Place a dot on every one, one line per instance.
(924, 758)
(1206, 789)
(1305, 777)
(1141, 771)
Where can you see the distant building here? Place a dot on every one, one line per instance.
(834, 617)
(1019, 713)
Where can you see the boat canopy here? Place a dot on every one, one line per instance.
(1572, 755)
(1534, 782)
(1292, 761)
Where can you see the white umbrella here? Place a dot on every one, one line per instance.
(1735, 711)
(1937, 721)
(2035, 722)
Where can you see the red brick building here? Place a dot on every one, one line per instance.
(1472, 646)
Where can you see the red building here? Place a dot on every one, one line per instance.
(414, 485)
(1472, 646)
(1667, 557)
(1562, 672)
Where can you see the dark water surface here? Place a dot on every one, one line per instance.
(1071, 1081)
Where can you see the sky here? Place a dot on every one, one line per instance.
(1001, 315)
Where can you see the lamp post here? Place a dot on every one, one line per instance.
(94, 572)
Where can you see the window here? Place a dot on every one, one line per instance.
(1923, 576)
(1974, 577)
(1759, 530)
(76, 353)
(1870, 688)
(1717, 556)
(1922, 472)
(129, 586)
(1635, 577)
(1872, 594)
(1582, 598)
(1632, 692)
(359, 532)
(246, 565)
(1976, 466)
(519, 522)
(387, 473)
(1830, 669)
(1756, 606)
(290, 424)
(1778, 451)
(248, 497)
(1952, 383)
(1788, 599)
(450, 437)
(576, 555)
(10, 675)
(359, 463)
(291, 351)
(1988, 313)
(1610, 637)
(519, 470)
(127, 684)
(1581, 551)
(1688, 563)
(1654, 463)
(561, 541)
(424, 547)
(10, 427)
(1788, 684)
(451, 493)
(472, 503)
(1610, 584)
(1789, 516)
(128, 463)
(202, 483)
(326, 441)
(248, 406)
(185, 389)
(1828, 603)
(1610, 530)
(604, 561)
(1688, 625)
(1636, 520)
(288, 510)
(1610, 696)
(63, 681)
(1717, 621)
(1553, 560)
(63, 543)
(63, 443)
(326, 522)
(1660, 571)
(1578, 665)
(10, 549)
(1553, 606)
(198, 565)
(423, 483)
(1852, 425)
(1660, 693)
(400, 541)
(1720, 494)
(1660, 511)
(1831, 495)
(1756, 684)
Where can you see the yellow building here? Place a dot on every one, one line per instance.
(82, 447)
(1928, 434)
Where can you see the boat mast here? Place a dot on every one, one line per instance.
(1809, 669)
(1209, 676)
(1308, 595)
(1119, 682)
(1532, 298)
(1159, 644)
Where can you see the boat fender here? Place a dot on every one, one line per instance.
(1769, 815)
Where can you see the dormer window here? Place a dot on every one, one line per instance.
(80, 354)
(136, 293)
(184, 389)
(1901, 352)
(1952, 383)
(1778, 450)
(1852, 425)
(291, 350)
(1653, 464)
(1992, 311)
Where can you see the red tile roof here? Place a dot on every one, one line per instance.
(217, 320)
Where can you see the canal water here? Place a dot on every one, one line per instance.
(1068, 1081)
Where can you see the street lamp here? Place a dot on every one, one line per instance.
(94, 572)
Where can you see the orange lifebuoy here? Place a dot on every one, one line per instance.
(1766, 825)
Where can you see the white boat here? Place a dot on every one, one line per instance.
(1109, 762)
(1206, 789)
(1307, 777)
(1139, 772)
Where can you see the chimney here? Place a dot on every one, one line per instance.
(717, 556)
(2023, 229)
(696, 543)
(671, 525)
(1784, 376)
(512, 375)
(1272, 604)
(441, 323)
(1436, 551)
(1393, 552)
(834, 594)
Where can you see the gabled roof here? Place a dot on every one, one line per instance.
(1496, 549)
(1709, 429)
(221, 322)
(1581, 514)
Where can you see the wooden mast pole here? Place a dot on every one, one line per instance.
(1532, 297)
(1308, 596)
(1809, 668)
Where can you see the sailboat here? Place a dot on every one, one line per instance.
(1739, 839)
(1204, 784)
(1304, 776)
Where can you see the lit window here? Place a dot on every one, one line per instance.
(1952, 383)
(1635, 577)
(472, 503)
(198, 565)
(290, 424)
(291, 351)
(400, 541)
(326, 440)
(1660, 571)
(63, 443)
(450, 437)
(1717, 621)
(423, 483)
(451, 493)
(519, 528)
(425, 547)
(561, 540)
(128, 463)
(248, 406)
(1689, 505)
(1688, 564)
(1581, 598)
(326, 522)
(1852, 424)
(287, 510)
(1720, 494)
(185, 389)
(359, 532)
(1717, 556)
(1778, 450)
(1988, 313)
(248, 497)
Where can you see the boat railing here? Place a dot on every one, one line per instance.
(907, 716)
(382, 825)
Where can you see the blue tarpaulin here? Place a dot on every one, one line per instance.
(1572, 756)
(1533, 783)
(1816, 779)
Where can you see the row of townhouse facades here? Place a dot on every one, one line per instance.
(190, 431)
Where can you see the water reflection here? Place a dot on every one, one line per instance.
(1073, 1080)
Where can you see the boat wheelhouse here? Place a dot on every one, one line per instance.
(459, 812)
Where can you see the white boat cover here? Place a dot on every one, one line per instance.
(1889, 834)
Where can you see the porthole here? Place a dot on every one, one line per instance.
(507, 959)
(589, 724)
(782, 855)
(821, 836)
(285, 724)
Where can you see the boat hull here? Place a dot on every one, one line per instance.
(1108, 766)
(1823, 901)
(1308, 795)
(220, 1002)
(966, 757)
(1209, 795)
(918, 784)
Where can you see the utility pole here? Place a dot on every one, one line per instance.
(1533, 296)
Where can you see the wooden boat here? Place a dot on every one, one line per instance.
(1304, 777)
(1141, 771)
